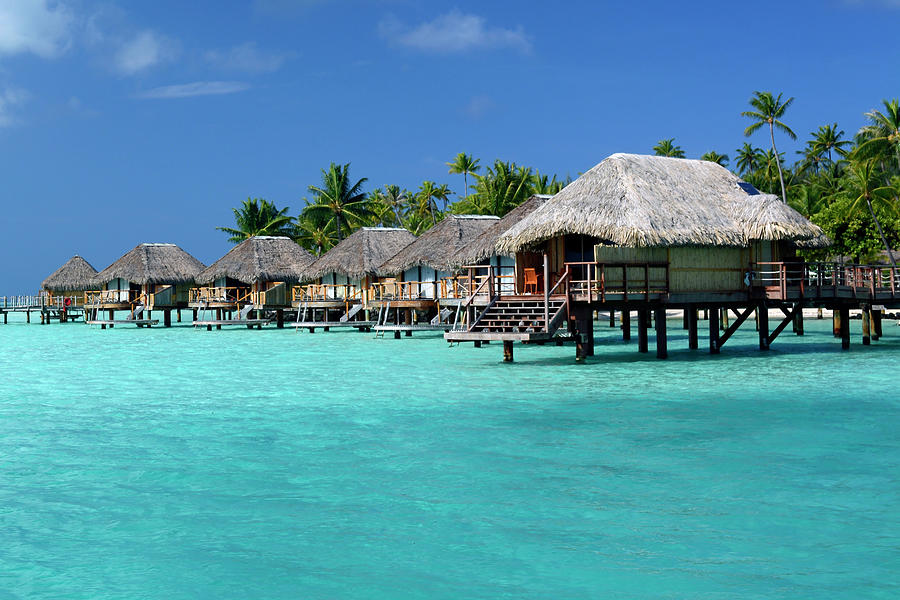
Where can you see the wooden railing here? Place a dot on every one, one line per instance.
(219, 294)
(460, 286)
(326, 291)
(624, 281)
(402, 290)
(825, 280)
(95, 297)
(13, 302)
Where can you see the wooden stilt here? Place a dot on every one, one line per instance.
(798, 321)
(209, 327)
(507, 351)
(662, 350)
(626, 325)
(167, 318)
(194, 314)
(763, 312)
(102, 325)
(866, 326)
(478, 343)
(642, 316)
(397, 335)
(279, 318)
(612, 318)
(876, 324)
(724, 318)
(28, 316)
(819, 313)
(684, 320)
(713, 317)
(836, 322)
(845, 328)
(178, 316)
(691, 313)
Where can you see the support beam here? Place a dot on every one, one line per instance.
(790, 317)
(643, 315)
(612, 318)
(866, 325)
(763, 327)
(876, 323)
(167, 318)
(836, 322)
(661, 341)
(397, 335)
(507, 351)
(713, 317)
(626, 325)
(691, 313)
(279, 318)
(845, 328)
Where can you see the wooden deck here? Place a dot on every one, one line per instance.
(326, 325)
(104, 323)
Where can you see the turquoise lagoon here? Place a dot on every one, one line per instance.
(270, 464)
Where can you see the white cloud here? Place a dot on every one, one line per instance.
(246, 57)
(454, 32)
(34, 26)
(478, 106)
(10, 99)
(143, 51)
(197, 88)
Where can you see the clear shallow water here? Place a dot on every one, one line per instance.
(268, 464)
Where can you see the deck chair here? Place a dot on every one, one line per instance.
(530, 281)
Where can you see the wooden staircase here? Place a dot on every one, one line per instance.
(522, 318)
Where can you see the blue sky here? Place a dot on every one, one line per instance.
(126, 122)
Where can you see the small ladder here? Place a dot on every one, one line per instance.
(383, 314)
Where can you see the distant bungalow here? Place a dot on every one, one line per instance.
(641, 232)
(257, 274)
(483, 249)
(69, 282)
(149, 277)
(420, 274)
(341, 278)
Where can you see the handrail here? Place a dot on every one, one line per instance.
(224, 294)
(472, 297)
(825, 279)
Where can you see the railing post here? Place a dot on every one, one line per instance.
(490, 275)
(546, 292)
(624, 283)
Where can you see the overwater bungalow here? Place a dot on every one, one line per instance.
(416, 278)
(340, 280)
(63, 290)
(482, 252)
(256, 275)
(148, 277)
(647, 233)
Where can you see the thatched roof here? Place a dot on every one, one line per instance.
(362, 253)
(435, 248)
(260, 258)
(153, 263)
(485, 245)
(76, 274)
(640, 201)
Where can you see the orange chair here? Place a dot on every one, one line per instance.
(531, 282)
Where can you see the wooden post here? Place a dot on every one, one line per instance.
(845, 328)
(642, 316)
(626, 325)
(612, 318)
(798, 321)
(478, 343)
(167, 318)
(819, 314)
(194, 315)
(836, 322)
(178, 315)
(661, 342)
(763, 327)
(397, 335)
(547, 292)
(28, 316)
(866, 325)
(279, 318)
(209, 327)
(724, 319)
(713, 317)
(685, 320)
(507, 351)
(691, 313)
(111, 314)
(876, 323)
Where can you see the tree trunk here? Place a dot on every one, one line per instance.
(881, 233)
(777, 162)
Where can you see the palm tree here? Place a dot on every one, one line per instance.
(881, 137)
(338, 198)
(863, 183)
(769, 110)
(713, 156)
(748, 158)
(442, 193)
(425, 199)
(397, 199)
(502, 188)
(257, 217)
(315, 236)
(828, 138)
(543, 184)
(668, 148)
(465, 164)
